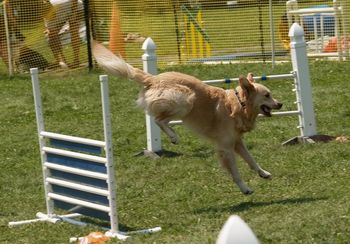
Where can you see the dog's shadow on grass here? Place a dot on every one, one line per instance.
(201, 152)
(251, 204)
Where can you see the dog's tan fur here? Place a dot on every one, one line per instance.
(218, 115)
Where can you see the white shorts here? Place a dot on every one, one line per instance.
(62, 13)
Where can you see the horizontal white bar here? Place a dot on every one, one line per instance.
(49, 218)
(74, 201)
(124, 235)
(75, 155)
(74, 139)
(40, 218)
(176, 122)
(24, 222)
(284, 113)
(77, 186)
(57, 218)
(43, 217)
(322, 14)
(275, 77)
(287, 113)
(76, 171)
(71, 215)
(145, 231)
(257, 78)
(313, 10)
(333, 54)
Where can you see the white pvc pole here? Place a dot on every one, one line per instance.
(76, 171)
(76, 201)
(149, 58)
(24, 222)
(256, 78)
(272, 32)
(303, 83)
(77, 155)
(76, 186)
(74, 139)
(8, 38)
(345, 11)
(40, 127)
(338, 33)
(313, 10)
(107, 124)
(279, 114)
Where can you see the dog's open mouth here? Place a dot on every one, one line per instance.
(266, 110)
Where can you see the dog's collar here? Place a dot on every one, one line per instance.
(228, 81)
(238, 98)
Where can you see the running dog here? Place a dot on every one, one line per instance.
(221, 116)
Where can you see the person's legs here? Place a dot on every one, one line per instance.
(74, 21)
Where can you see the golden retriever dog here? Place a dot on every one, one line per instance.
(221, 116)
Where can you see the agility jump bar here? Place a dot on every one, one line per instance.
(78, 173)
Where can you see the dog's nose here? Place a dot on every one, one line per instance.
(279, 105)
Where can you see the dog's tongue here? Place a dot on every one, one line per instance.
(266, 110)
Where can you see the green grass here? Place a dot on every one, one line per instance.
(189, 195)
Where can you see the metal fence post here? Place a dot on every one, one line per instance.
(149, 59)
(8, 41)
(304, 91)
(346, 26)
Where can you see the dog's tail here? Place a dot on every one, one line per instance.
(116, 65)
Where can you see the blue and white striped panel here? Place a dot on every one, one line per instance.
(79, 179)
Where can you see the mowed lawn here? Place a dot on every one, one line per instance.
(189, 195)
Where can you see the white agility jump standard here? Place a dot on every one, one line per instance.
(78, 173)
(302, 84)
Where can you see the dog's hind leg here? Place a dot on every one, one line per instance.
(242, 150)
(167, 108)
(228, 161)
(164, 125)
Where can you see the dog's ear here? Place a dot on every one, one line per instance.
(246, 85)
(250, 77)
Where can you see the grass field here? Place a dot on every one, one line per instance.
(189, 196)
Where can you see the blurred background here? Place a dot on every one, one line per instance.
(52, 35)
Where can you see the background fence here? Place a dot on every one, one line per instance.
(185, 31)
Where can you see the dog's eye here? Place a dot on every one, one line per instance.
(267, 95)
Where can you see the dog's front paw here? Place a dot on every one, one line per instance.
(248, 191)
(264, 174)
(245, 189)
(174, 140)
